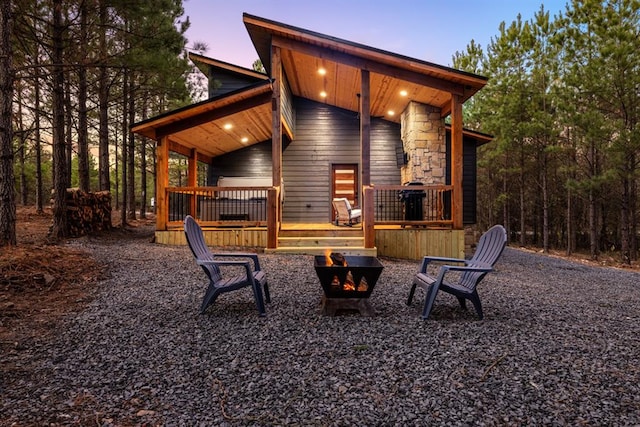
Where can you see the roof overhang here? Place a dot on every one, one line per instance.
(480, 137)
(203, 63)
(395, 79)
(216, 126)
(244, 117)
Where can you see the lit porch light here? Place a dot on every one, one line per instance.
(323, 94)
(391, 113)
(244, 140)
(322, 71)
(403, 92)
(227, 126)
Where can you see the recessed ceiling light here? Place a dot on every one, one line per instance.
(391, 113)
(323, 94)
(403, 93)
(244, 139)
(322, 71)
(228, 126)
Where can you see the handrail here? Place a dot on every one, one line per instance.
(218, 206)
(404, 205)
(421, 205)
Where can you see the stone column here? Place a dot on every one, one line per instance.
(423, 139)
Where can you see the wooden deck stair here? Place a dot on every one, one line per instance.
(298, 239)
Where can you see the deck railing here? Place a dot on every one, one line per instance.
(218, 206)
(427, 205)
(422, 205)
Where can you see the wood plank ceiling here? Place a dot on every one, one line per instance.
(395, 79)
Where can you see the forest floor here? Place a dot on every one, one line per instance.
(40, 283)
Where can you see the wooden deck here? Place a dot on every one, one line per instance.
(314, 239)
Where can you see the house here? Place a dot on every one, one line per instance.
(267, 152)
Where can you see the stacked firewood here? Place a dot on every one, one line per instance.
(87, 212)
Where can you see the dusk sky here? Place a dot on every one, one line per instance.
(429, 30)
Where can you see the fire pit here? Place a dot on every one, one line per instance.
(347, 282)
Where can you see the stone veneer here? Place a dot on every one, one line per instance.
(423, 139)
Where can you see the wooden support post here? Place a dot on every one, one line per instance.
(368, 218)
(456, 161)
(162, 182)
(274, 206)
(272, 224)
(192, 180)
(365, 127)
(276, 116)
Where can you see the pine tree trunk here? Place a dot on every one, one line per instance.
(522, 200)
(633, 218)
(545, 208)
(593, 225)
(103, 103)
(68, 119)
(625, 237)
(125, 154)
(59, 229)
(38, 148)
(7, 195)
(505, 204)
(143, 165)
(131, 150)
(21, 151)
(83, 145)
(571, 234)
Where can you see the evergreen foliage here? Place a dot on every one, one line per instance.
(75, 63)
(563, 102)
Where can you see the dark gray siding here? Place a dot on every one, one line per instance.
(385, 139)
(469, 170)
(222, 81)
(253, 161)
(327, 135)
(288, 111)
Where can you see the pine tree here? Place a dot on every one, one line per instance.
(7, 195)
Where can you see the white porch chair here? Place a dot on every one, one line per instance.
(345, 214)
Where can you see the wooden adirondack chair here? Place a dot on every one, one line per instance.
(345, 214)
(471, 271)
(253, 276)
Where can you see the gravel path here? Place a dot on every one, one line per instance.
(559, 346)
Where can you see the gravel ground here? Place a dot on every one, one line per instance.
(559, 345)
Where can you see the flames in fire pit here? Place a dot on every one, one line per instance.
(347, 277)
(338, 260)
(349, 285)
(335, 258)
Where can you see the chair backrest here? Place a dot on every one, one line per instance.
(342, 207)
(199, 248)
(489, 249)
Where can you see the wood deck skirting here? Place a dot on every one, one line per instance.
(404, 243)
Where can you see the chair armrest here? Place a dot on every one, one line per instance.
(427, 259)
(479, 268)
(245, 264)
(254, 257)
